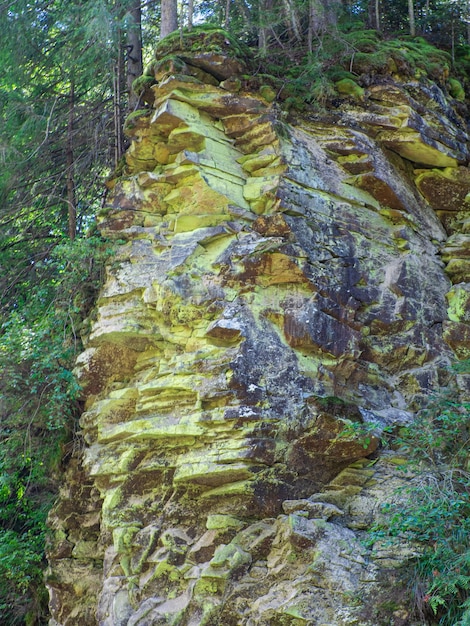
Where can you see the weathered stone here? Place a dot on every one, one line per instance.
(421, 149)
(304, 533)
(457, 335)
(320, 510)
(380, 190)
(458, 299)
(445, 189)
(456, 252)
(257, 539)
(274, 303)
(231, 557)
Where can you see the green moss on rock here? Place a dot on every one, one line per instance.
(459, 303)
(456, 89)
(267, 93)
(135, 119)
(142, 83)
(205, 39)
(349, 87)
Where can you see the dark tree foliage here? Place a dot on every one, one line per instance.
(57, 142)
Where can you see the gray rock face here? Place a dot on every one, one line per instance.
(272, 283)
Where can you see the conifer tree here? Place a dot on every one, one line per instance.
(169, 17)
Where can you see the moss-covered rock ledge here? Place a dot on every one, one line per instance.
(272, 282)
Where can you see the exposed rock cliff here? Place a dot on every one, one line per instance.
(271, 280)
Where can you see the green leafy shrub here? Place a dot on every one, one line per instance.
(39, 404)
(434, 512)
(348, 61)
(409, 57)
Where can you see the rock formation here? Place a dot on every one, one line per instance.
(275, 279)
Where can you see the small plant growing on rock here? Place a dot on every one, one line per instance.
(434, 515)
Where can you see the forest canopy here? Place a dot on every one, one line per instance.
(65, 90)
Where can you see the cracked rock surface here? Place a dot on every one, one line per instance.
(271, 281)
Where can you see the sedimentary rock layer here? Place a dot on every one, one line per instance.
(273, 281)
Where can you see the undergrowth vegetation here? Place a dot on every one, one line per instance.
(39, 404)
(308, 80)
(432, 514)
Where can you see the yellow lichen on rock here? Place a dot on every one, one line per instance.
(276, 299)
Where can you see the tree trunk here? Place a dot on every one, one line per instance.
(169, 17)
(134, 51)
(69, 159)
(262, 28)
(227, 14)
(374, 14)
(453, 40)
(117, 111)
(411, 17)
(293, 23)
(311, 24)
(245, 11)
(332, 9)
(321, 17)
(190, 13)
(425, 22)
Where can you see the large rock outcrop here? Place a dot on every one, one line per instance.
(273, 281)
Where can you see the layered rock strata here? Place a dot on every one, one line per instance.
(272, 282)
